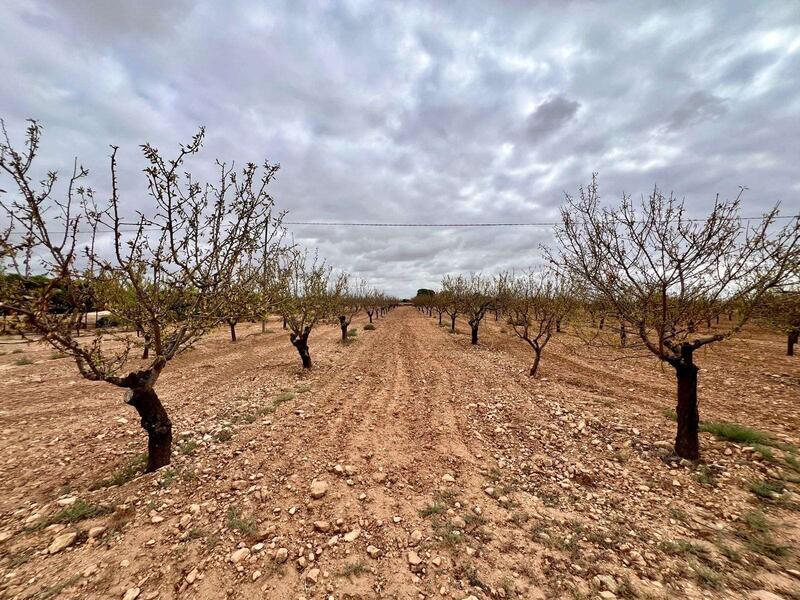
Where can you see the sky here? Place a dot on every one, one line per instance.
(410, 112)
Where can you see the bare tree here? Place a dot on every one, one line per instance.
(661, 271)
(165, 275)
(536, 301)
(310, 293)
(351, 303)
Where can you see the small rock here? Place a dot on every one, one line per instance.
(318, 489)
(96, 532)
(312, 575)
(373, 551)
(192, 576)
(447, 478)
(459, 523)
(256, 575)
(62, 541)
(322, 526)
(132, 594)
(413, 558)
(415, 537)
(239, 555)
(351, 536)
(281, 555)
(66, 501)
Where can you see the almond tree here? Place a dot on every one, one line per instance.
(535, 302)
(475, 295)
(309, 294)
(174, 260)
(658, 270)
(351, 303)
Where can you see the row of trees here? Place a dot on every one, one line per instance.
(671, 284)
(199, 255)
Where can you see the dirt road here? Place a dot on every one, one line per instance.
(439, 470)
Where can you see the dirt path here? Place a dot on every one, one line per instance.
(442, 471)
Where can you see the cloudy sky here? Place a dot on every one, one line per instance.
(421, 112)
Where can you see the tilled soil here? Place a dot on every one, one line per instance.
(406, 464)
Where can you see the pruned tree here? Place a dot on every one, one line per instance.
(166, 273)
(309, 293)
(474, 295)
(352, 301)
(535, 302)
(660, 271)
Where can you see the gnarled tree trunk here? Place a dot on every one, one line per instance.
(343, 323)
(687, 441)
(232, 325)
(156, 423)
(474, 326)
(453, 323)
(300, 342)
(791, 341)
(537, 355)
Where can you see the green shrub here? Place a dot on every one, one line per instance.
(108, 321)
(369, 327)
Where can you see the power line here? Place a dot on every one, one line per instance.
(127, 229)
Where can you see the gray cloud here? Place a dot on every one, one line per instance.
(421, 112)
(550, 116)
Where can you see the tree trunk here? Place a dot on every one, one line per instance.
(687, 441)
(343, 325)
(156, 423)
(623, 335)
(284, 322)
(790, 342)
(535, 366)
(558, 325)
(474, 334)
(146, 351)
(232, 325)
(440, 318)
(369, 314)
(453, 323)
(301, 343)
(602, 321)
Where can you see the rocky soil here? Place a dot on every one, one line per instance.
(406, 464)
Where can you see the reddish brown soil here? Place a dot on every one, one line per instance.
(408, 425)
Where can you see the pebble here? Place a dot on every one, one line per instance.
(351, 536)
(373, 551)
(413, 558)
(62, 541)
(281, 555)
(318, 489)
(239, 555)
(131, 594)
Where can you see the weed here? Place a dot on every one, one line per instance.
(448, 534)
(706, 476)
(352, 333)
(223, 435)
(17, 351)
(707, 576)
(80, 510)
(235, 520)
(519, 517)
(670, 414)
(354, 569)
(369, 327)
(757, 521)
(188, 447)
(57, 356)
(434, 508)
(729, 552)
(283, 397)
(21, 362)
(682, 547)
(167, 478)
(678, 514)
(20, 558)
(766, 489)
(733, 432)
(55, 590)
(124, 475)
(765, 452)
(792, 461)
(303, 388)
